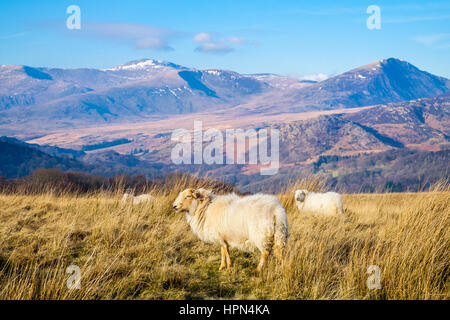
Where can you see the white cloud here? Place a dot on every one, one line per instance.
(238, 41)
(315, 77)
(210, 43)
(431, 39)
(149, 37)
(213, 47)
(202, 37)
(140, 35)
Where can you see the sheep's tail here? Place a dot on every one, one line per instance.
(281, 233)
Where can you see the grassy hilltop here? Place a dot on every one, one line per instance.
(149, 252)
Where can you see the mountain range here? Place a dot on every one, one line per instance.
(123, 117)
(384, 81)
(145, 89)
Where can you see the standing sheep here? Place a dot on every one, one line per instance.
(257, 221)
(137, 199)
(329, 203)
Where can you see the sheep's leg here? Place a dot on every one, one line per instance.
(223, 257)
(226, 260)
(278, 252)
(262, 260)
(227, 255)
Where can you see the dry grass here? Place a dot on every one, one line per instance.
(149, 252)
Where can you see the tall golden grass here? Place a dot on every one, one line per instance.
(149, 252)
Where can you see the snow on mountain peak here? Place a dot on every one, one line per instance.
(145, 64)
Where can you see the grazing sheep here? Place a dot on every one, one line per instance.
(329, 203)
(257, 221)
(138, 199)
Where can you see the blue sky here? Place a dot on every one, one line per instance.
(289, 37)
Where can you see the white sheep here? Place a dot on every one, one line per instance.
(329, 203)
(248, 223)
(137, 199)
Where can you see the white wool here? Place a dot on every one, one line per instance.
(256, 221)
(329, 203)
(137, 199)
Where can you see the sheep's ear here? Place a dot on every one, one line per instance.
(196, 194)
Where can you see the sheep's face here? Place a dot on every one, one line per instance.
(186, 200)
(300, 195)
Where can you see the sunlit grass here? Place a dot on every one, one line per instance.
(149, 252)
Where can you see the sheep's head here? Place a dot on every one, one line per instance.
(300, 195)
(189, 199)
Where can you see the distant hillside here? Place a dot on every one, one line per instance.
(18, 160)
(51, 150)
(395, 171)
(302, 140)
(398, 170)
(421, 121)
(420, 124)
(355, 150)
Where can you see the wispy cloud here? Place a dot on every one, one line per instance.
(12, 36)
(213, 43)
(238, 41)
(202, 37)
(433, 39)
(391, 13)
(328, 11)
(149, 37)
(212, 47)
(140, 35)
(415, 19)
(391, 9)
